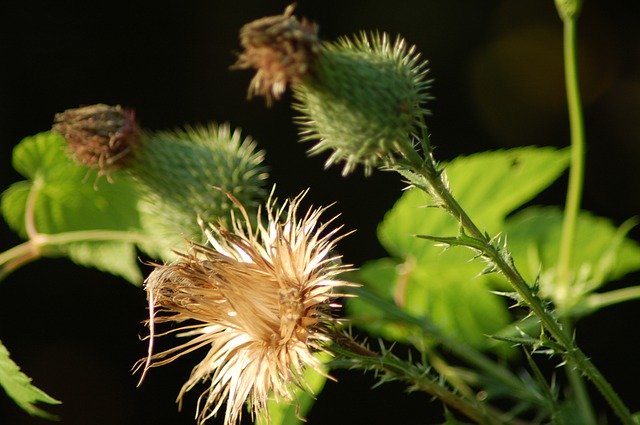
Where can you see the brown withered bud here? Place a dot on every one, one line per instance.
(99, 136)
(282, 50)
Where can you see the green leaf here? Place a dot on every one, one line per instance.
(601, 252)
(283, 412)
(488, 185)
(68, 197)
(18, 386)
(444, 285)
(449, 291)
(380, 277)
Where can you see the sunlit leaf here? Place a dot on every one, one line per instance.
(448, 291)
(67, 197)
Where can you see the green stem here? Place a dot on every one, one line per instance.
(359, 356)
(443, 197)
(459, 349)
(599, 300)
(31, 250)
(579, 388)
(574, 196)
(576, 171)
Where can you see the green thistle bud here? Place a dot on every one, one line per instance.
(187, 173)
(363, 98)
(99, 136)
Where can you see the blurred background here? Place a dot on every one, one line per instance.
(498, 76)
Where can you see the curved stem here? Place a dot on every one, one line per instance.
(573, 200)
(16, 257)
(31, 250)
(30, 208)
(576, 171)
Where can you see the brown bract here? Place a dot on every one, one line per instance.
(259, 300)
(99, 136)
(282, 50)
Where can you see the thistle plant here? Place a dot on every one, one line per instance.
(478, 296)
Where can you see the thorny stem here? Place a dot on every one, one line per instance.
(346, 346)
(443, 197)
(579, 388)
(459, 349)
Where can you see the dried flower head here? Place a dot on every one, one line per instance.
(261, 301)
(281, 48)
(99, 136)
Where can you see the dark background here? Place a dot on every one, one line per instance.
(498, 76)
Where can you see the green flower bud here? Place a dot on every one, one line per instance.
(99, 136)
(363, 98)
(186, 175)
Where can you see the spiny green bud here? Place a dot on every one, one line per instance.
(187, 173)
(281, 49)
(99, 136)
(363, 97)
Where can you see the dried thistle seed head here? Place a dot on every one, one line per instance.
(364, 97)
(281, 49)
(99, 136)
(260, 299)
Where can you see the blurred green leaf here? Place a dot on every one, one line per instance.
(444, 285)
(601, 252)
(69, 198)
(283, 412)
(18, 386)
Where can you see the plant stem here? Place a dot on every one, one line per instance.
(359, 356)
(579, 388)
(576, 170)
(443, 197)
(461, 350)
(32, 249)
(17, 257)
(599, 300)
(574, 196)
